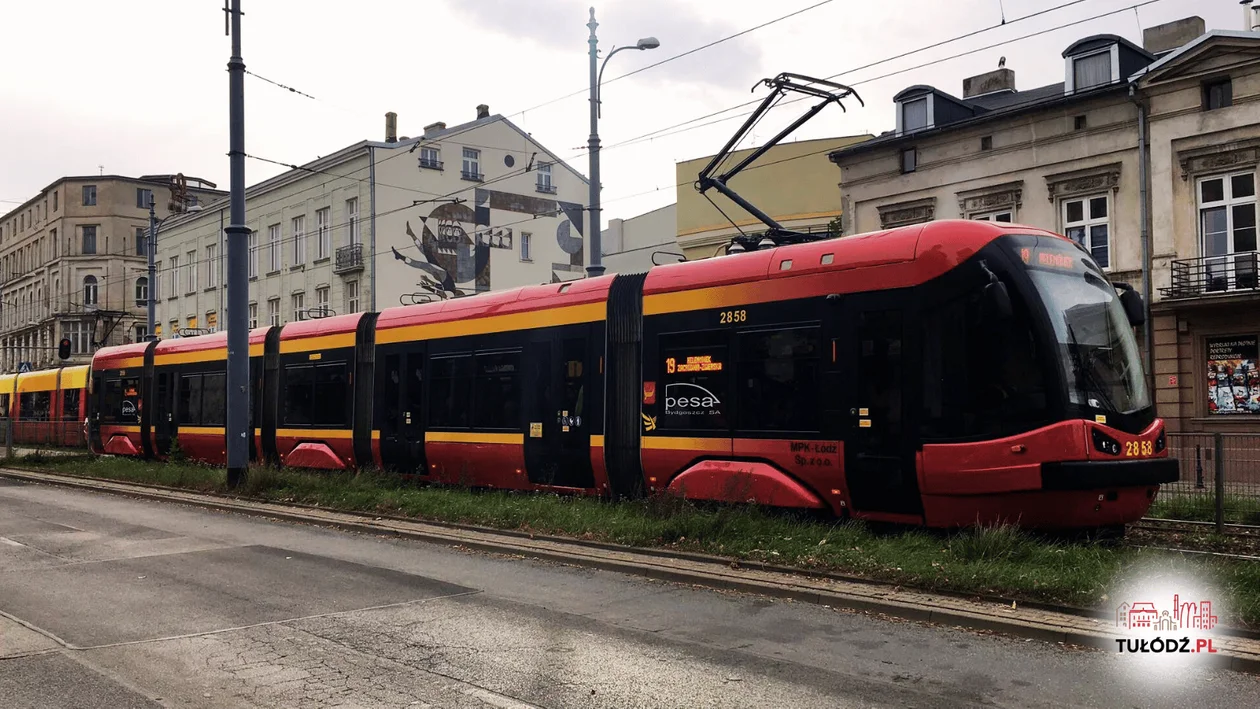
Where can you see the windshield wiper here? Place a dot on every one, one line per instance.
(1085, 375)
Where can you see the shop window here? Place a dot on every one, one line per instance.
(1232, 378)
(498, 390)
(696, 375)
(450, 391)
(779, 383)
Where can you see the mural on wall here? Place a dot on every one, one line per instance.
(452, 251)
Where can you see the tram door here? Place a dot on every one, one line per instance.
(879, 451)
(163, 411)
(402, 422)
(558, 417)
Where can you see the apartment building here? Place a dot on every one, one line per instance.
(637, 244)
(1070, 157)
(72, 263)
(458, 210)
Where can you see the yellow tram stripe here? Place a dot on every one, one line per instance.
(114, 428)
(323, 342)
(315, 432)
(674, 443)
(201, 430)
(597, 441)
(461, 437)
(211, 355)
(712, 297)
(568, 315)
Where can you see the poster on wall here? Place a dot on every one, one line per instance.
(1233, 381)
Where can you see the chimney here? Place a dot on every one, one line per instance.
(1251, 17)
(391, 127)
(483, 111)
(1164, 38)
(434, 128)
(990, 82)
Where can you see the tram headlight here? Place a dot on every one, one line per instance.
(1105, 443)
(1159, 442)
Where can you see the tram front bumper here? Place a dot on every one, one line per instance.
(1092, 475)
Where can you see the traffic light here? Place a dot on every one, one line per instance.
(63, 348)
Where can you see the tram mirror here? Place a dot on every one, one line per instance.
(998, 300)
(1133, 307)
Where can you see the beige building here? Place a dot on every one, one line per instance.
(460, 210)
(1068, 157)
(73, 264)
(636, 244)
(792, 182)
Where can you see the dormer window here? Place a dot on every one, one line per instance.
(914, 114)
(1091, 70)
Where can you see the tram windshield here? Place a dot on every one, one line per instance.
(1094, 339)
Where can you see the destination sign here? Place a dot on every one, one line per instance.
(696, 363)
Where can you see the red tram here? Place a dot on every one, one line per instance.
(945, 374)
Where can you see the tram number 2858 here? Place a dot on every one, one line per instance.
(726, 317)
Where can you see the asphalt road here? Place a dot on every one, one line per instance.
(118, 603)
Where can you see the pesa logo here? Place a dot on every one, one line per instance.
(689, 399)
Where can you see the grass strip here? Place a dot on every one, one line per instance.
(1001, 561)
(1239, 509)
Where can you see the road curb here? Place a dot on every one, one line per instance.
(649, 565)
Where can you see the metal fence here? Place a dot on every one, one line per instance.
(1220, 479)
(22, 437)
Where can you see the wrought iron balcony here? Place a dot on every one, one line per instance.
(349, 258)
(546, 188)
(471, 175)
(431, 164)
(1214, 275)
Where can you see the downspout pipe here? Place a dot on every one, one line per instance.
(1144, 199)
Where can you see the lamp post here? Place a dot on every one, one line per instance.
(151, 252)
(596, 267)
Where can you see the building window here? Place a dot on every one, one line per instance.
(174, 277)
(142, 333)
(174, 328)
(253, 315)
(321, 301)
(1227, 224)
(1078, 123)
(90, 293)
(273, 311)
(1003, 216)
(142, 241)
(909, 160)
(80, 336)
(986, 143)
(89, 240)
(352, 221)
(914, 115)
(472, 164)
(323, 240)
(299, 306)
(192, 271)
(212, 265)
(1218, 94)
(1091, 70)
(526, 239)
(192, 322)
(143, 197)
(430, 158)
(253, 254)
(1087, 222)
(212, 321)
(352, 297)
(273, 246)
(55, 207)
(544, 179)
(142, 292)
(89, 195)
(299, 240)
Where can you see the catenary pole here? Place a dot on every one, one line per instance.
(596, 267)
(150, 248)
(238, 270)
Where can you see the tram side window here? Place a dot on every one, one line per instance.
(696, 375)
(35, 405)
(4, 405)
(980, 378)
(213, 399)
(779, 384)
(120, 400)
(298, 392)
(450, 391)
(498, 390)
(70, 404)
(329, 404)
(388, 391)
(189, 410)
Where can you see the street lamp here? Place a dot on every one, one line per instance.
(154, 224)
(597, 75)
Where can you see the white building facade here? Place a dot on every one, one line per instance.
(460, 210)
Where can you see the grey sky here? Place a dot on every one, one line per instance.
(141, 87)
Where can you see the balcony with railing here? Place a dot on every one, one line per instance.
(348, 259)
(430, 163)
(1214, 275)
(545, 187)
